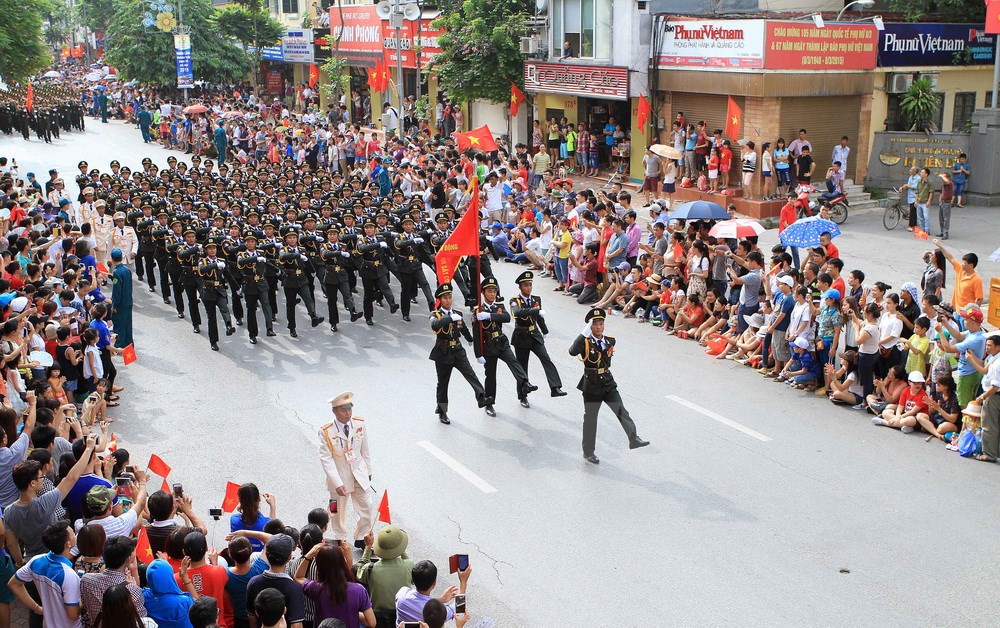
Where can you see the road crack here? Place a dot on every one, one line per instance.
(480, 550)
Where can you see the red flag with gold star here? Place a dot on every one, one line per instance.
(734, 119)
(29, 101)
(143, 550)
(642, 114)
(920, 234)
(313, 74)
(232, 498)
(464, 240)
(516, 98)
(375, 77)
(480, 139)
(128, 354)
(993, 17)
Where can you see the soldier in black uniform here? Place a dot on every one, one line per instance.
(295, 280)
(374, 273)
(232, 245)
(270, 246)
(529, 332)
(212, 282)
(335, 257)
(187, 257)
(598, 384)
(160, 234)
(410, 268)
(490, 344)
(448, 352)
(145, 259)
(252, 265)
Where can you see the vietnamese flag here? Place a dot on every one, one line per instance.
(113, 443)
(101, 268)
(29, 101)
(480, 139)
(642, 113)
(157, 466)
(313, 74)
(516, 98)
(920, 234)
(375, 76)
(143, 551)
(734, 119)
(232, 498)
(993, 17)
(128, 353)
(383, 508)
(464, 240)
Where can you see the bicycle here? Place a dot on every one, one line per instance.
(895, 212)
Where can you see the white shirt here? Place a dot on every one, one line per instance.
(841, 153)
(889, 326)
(992, 377)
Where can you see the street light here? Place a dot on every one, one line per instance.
(863, 3)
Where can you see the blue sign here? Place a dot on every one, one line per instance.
(185, 67)
(272, 53)
(906, 44)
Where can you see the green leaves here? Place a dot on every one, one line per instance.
(22, 49)
(942, 10)
(919, 105)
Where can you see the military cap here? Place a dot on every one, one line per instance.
(596, 313)
(442, 290)
(525, 276)
(490, 282)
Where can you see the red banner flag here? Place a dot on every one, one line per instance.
(920, 234)
(993, 17)
(157, 466)
(734, 119)
(101, 268)
(516, 98)
(383, 508)
(29, 101)
(128, 353)
(112, 443)
(232, 498)
(464, 240)
(313, 74)
(642, 114)
(143, 551)
(375, 76)
(480, 139)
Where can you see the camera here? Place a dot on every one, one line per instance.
(215, 513)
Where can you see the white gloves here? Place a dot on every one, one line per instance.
(483, 316)
(303, 258)
(418, 240)
(481, 360)
(320, 239)
(383, 245)
(586, 330)
(345, 254)
(456, 317)
(261, 259)
(220, 264)
(541, 313)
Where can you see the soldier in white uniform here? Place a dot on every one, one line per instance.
(104, 228)
(343, 451)
(124, 238)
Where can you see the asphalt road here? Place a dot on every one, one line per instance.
(754, 505)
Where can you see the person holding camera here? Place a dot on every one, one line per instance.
(345, 457)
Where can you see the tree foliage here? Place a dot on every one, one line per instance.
(96, 15)
(480, 48)
(22, 49)
(919, 105)
(940, 10)
(148, 54)
(238, 22)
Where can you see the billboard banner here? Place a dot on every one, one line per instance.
(360, 31)
(907, 44)
(185, 67)
(713, 44)
(837, 46)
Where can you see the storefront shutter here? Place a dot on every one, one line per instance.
(826, 119)
(708, 107)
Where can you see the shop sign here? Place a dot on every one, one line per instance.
(360, 32)
(837, 46)
(588, 81)
(894, 153)
(274, 82)
(321, 44)
(905, 44)
(713, 44)
(297, 46)
(428, 43)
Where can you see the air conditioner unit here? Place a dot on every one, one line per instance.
(530, 45)
(898, 83)
(933, 78)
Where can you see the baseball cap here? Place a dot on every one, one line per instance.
(801, 343)
(972, 313)
(916, 377)
(832, 293)
(99, 498)
(279, 549)
(788, 281)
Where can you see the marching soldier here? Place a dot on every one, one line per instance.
(409, 268)
(160, 235)
(295, 281)
(598, 384)
(374, 273)
(335, 257)
(490, 344)
(124, 238)
(529, 332)
(212, 279)
(187, 255)
(448, 352)
(343, 452)
(252, 265)
(146, 256)
(270, 246)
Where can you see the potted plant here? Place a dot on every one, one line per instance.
(919, 106)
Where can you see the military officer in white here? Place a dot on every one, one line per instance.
(124, 238)
(343, 451)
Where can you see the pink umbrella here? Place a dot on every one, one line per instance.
(736, 229)
(232, 114)
(196, 109)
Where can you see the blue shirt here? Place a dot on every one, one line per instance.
(784, 303)
(976, 342)
(609, 139)
(911, 188)
(808, 363)
(73, 500)
(617, 241)
(780, 165)
(104, 334)
(960, 177)
(501, 244)
(236, 523)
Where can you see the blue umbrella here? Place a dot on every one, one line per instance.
(701, 210)
(805, 231)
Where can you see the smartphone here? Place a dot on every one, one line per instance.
(463, 562)
(215, 512)
(333, 507)
(122, 480)
(130, 468)
(460, 603)
(410, 624)
(178, 490)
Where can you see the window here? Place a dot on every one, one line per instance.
(939, 122)
(581, 28)
(289, 6)
(965, 104)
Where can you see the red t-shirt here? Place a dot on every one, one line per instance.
(787, 216)
(832, 251)
(840, 285)
(909, 401)
(211, 580)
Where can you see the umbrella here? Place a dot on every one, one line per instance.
(736, 229)
(111, 77)
(101, 88)
(131, 83)
(232, 114)
(805, 231)
(700, 210)
(94, 76)
(195, 109)
(52, 74)
(665, 151)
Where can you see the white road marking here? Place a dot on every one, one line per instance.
(288, 344)
(718, 417)
(458, 467)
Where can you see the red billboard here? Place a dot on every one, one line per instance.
(360, 34)
(408, 34)
(802, 46)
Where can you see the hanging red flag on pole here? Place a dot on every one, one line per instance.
(993, 17)
(480, 139)
(29, 101)
(375, 76)
(464, 240)
(516, 98)
(383, 508)
(734, 119)
(642, 113)
(313, 74)
(232, 498)
(143, 550)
